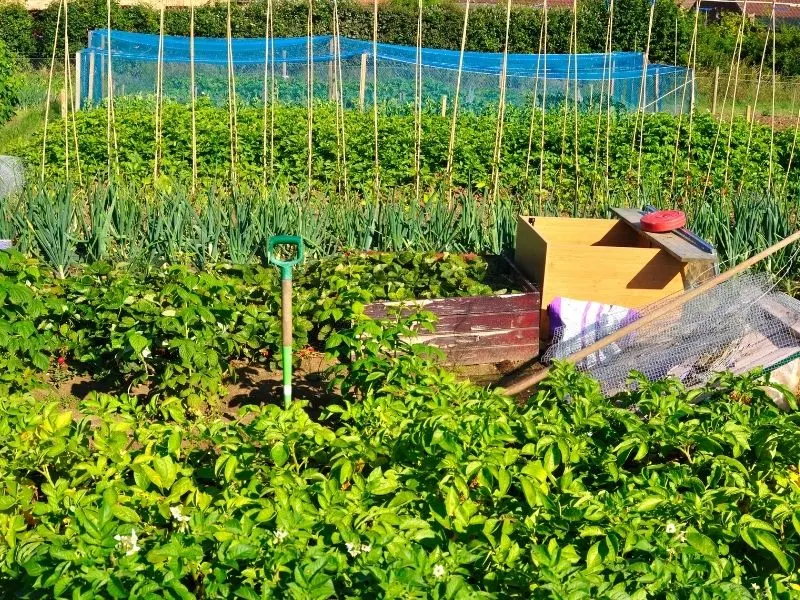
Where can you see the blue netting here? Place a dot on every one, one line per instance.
(550, 77)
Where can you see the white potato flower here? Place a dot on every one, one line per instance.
(128, 543)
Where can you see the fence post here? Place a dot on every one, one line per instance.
(332, 70)
(90, 94)
(716, 90)
(444, 106)
(657, 107)
(362, 83)
(284, 72)
(77, 80)
(103, 69)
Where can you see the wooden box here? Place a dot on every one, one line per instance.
(481, 329)
(606, 260)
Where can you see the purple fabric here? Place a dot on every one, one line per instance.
(554, 315)
(579, 317)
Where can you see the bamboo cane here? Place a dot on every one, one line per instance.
(772, 116)
(452, 141)
(193, 96)
(535, 101)
(418, 106)
(49, 92)
(501, 111)
(692, 49)
(528, 381)
(376, 181)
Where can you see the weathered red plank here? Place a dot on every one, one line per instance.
(478, 329)
(479, 355)
(480, 322)
(488, 338)
(505, 303)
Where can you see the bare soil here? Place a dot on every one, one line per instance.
(254, 384)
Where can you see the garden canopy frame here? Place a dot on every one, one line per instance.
(134, 59)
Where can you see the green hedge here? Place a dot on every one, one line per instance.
(32, 34)
(9, 83)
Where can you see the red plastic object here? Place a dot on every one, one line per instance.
(662, 221)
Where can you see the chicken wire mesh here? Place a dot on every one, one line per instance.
(741, 324)
(548, 80)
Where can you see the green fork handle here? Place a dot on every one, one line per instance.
(286, 303)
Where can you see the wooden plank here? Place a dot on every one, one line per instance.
(631, 277)
(90, 94)
(362, 82)
(77, 103)
(673, 244)
(488, 348)
(442, 307)
(531, 251)
(585, 232)
(483, 322)
(785, 315)
(479, 355)
(483, 338)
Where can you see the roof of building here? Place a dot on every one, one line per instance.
(761, 9)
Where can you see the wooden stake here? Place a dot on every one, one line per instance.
(656, 84)
(528, 381)
(62, 98)
(362, 83)
(716, 92)
(77, 81)
(444, 106)
(331, 72)
(90, 94)
(749, 114)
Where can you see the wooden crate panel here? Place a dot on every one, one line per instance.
(601, 260)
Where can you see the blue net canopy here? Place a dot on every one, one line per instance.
(545, 78)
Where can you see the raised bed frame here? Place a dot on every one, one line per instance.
(481, 329)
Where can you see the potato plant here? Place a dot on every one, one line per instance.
(473, 150)
(178, 329)
(413, 485)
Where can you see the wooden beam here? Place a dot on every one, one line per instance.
(362, 84)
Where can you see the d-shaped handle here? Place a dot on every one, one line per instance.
(285, 240)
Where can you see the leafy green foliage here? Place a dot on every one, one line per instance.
(424, 487)
(178, 330)
(10, 83)
(32, 34)
(473, 159)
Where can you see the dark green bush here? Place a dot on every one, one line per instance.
(32, 34)
(9, 83)
(17, 29)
